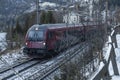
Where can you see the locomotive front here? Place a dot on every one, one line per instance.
(35, 43)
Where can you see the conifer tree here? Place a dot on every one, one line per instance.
(43, 15)
(47, 17)
(50, 17)
(18, 28)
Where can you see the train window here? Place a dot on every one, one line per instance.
(39, 35)
(35, 35)
(31, 34)
(50, 34)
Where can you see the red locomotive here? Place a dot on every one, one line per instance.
(40, 40)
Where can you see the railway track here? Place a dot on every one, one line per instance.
(36, 69)
(29, 72)
(55, 63)
(11, 71)
(4, 69)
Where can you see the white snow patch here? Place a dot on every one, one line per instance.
(99, 69)
(48, 4)
(33, 8)
(11, 58)
(43, 5)
(3, 41)
(116, 78)
(108, 52)
(118, 40)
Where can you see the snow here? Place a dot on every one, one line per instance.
(106, 51)
(48, 4)
(2, 41)
(116, 78)
(43, 5)
(118, 40)
(117, 51)
(11, 58)
(33, 8)
(99, 69)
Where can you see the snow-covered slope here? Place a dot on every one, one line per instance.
(117, 51)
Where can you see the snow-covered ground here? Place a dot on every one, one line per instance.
(117, 51)
(12, 56)
(106, 51)
(116, 78)
(2, 41)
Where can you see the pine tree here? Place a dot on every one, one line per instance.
(50, 17)
(18, 28)
(26, 25)
(47, 17)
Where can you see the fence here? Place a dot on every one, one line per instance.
(103, 73)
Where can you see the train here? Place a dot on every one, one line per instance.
(45, 39)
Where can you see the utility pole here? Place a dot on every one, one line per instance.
(106, 23)
(38, 10)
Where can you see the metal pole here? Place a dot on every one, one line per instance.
(68, 17)
(37, 10)
(106, 19)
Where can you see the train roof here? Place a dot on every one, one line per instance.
(57, 26)
(52, 26)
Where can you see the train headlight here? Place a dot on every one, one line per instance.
(44, 43)
(26, 43)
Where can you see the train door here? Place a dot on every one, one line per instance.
(59, 40)
(51, 39)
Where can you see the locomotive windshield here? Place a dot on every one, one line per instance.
(35, 35)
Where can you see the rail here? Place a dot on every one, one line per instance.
(51, 70)
(65, 60)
